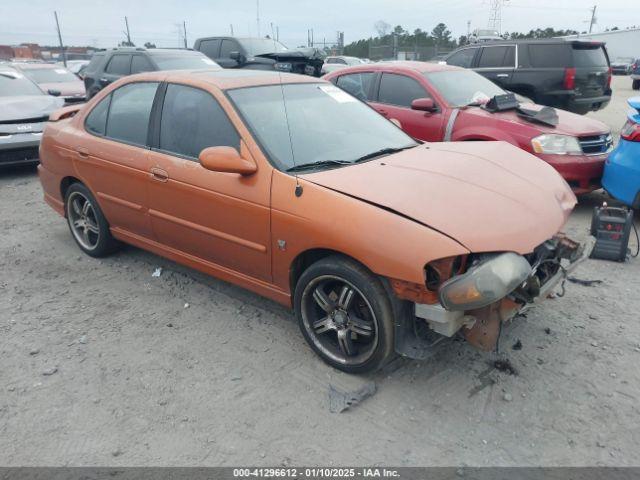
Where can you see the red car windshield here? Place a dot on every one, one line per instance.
(462, 87)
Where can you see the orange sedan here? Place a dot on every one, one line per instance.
(292, 188)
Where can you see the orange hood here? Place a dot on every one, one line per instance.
(488, 196)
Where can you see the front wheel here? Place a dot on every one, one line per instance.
(345, 315)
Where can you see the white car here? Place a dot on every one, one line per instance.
(332, 64)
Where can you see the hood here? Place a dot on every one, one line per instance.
(568, 123)
(28, 107)
(66, 89)
(488, 196)
(296, 54)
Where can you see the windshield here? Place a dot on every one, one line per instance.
(13, 84)
(184, 62)
(462, 87)
(50, 75)
(260, 46)
(325, 124)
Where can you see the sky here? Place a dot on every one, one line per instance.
(100, 23)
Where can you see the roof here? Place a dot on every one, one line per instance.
(227, 79)
(36, 66)
(420, 67)
(528, 41)
(602, 34)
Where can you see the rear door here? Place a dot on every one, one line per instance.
(592, 69)
(393, 101)
(497, 63)
(210, 47)
(119, 66)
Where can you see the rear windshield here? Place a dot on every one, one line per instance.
(183, 62)
(50, 75)
(592, 56)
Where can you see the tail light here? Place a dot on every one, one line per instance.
(569, 82)
(631, 131)
(609, 75)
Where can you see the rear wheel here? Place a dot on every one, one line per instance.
(87, 223)
(635, 84)
(345, 315)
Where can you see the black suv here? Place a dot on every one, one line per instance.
(260, 54)
(568, 74)
(107, 66)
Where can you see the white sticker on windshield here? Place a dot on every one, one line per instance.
(208, 61)
(338, 95)
(60, 71)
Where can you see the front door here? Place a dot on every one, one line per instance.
(395, 94)
(219, 218)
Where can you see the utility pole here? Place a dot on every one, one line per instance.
(593, 18)
(231, 28)
(184, 27)
(126, 22)
(277, 33)
(64, 54)
(258, 16)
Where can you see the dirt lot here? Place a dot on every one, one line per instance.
(104, 364)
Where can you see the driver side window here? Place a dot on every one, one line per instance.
(400, 90)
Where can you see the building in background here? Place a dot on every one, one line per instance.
(619, 43)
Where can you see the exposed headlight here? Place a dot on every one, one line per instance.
(284, 67)
(485, 283)
(556, 145)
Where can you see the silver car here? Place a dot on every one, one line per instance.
(24, 109)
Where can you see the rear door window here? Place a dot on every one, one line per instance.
(96, 121)
(549, 55)
(211, 48)
(399, 90)
(119, 65)
(128, 119)
(140, 64)
(193, 120)
(357, 84)
(463, 58)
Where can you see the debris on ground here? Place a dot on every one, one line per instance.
(339, 401)
(157, 272)
(505, 366)
(34, 351)
(547, 331)
(83, 339)
(186, 305)
(517, 345)
(507, 397)
(585, 283)
(50, 371)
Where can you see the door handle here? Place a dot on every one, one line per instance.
(82, 152)
(502, 75)
(159, 174)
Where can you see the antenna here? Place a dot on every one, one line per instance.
(593, 18)
(127, 33)
(184, 27)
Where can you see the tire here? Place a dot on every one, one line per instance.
(88, 225)
(353, 332)
(635, 85)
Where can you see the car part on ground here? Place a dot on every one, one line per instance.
(358, 240)
(621, 177)
(611, 227)
(24, 109)
(434, 102)
(573, 75)
(261, 54)
(107, 66)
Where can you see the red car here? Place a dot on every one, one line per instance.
(435, 103)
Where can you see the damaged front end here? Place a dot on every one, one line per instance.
(477, 293)
(303, 61)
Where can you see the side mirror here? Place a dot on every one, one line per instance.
(237, 56)
(424, 105)
(54, 93)
(226, 160)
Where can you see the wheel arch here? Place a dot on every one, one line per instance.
(66, 182)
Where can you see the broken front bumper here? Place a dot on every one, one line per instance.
(550, 264)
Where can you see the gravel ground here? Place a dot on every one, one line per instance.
(104, 364)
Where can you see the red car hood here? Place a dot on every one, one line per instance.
(489, 196)
(568, 123)
(66, 89)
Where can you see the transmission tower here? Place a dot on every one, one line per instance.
(495, 14)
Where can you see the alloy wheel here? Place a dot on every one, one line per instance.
(83, 220)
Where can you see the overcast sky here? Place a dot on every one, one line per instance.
(100, 22)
